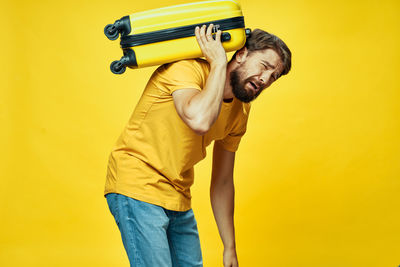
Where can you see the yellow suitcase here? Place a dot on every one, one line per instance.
(164, 35)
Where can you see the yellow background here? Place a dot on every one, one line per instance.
(317, 174)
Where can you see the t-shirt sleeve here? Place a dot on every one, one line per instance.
(232, 140)
(183, 74)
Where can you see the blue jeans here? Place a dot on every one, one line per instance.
(154, 236)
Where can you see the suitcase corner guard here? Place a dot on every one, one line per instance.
(121, 26)
(128, 60)
(248, 32)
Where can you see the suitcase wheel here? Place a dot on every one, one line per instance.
(121, 26)
(117, 67)
(111, 32)
(128, 59)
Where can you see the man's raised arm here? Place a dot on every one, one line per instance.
(200, 109)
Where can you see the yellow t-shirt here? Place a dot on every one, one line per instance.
(153, 158)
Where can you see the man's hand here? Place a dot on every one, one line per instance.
(212, 49)
(230, 258)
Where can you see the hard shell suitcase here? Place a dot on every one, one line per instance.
(166, 34)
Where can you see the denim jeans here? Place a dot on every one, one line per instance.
(154, 236)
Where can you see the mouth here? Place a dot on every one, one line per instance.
(254, 86)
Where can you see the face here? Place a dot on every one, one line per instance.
(256, 71)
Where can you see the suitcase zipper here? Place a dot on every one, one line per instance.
(178, 32)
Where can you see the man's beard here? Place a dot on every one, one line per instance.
(238, 88)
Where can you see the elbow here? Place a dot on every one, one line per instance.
(200, 132)
(199, 122)
(200, 126)
(200, 129)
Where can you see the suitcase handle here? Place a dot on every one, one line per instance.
(225, 36)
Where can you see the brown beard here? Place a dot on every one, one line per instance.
(238, 88)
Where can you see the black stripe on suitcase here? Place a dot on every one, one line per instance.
(181, 32)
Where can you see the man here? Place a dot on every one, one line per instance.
(184, 107)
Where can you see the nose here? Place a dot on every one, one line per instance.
(264, 78)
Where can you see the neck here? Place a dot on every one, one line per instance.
(228, 94)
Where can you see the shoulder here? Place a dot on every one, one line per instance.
(186, 73)
(202, 63)
(198, 65)
(186, 70)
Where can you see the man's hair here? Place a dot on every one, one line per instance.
(260, 40)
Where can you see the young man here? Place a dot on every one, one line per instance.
(185, 106)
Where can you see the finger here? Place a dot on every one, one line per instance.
(218, 36)
(203, 34)
(198, 37)
(209, 29)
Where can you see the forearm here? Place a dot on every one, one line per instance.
(222, 202)
(203, 108)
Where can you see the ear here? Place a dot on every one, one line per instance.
(241, 55)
